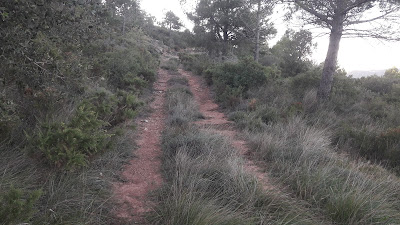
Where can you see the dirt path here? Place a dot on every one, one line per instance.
(217, 121)
(142, 175)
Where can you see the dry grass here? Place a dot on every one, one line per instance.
(69, 197)
(302, 158)
(207, 183)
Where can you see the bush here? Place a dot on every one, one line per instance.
(229, 96)
(232, 81)
(128, 105)
(375, 145)
(133, 59)
(173, 39)
(246, 74)
(172, 64)
(305, 81)
(377, 84)
(16, 206)
(394, 96)
(70, 145)
(197, 63)
(114, 108)
(104, 104)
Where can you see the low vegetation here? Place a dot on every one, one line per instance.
(71, 80)
(74, 74)
(320, 151)
(206, 180)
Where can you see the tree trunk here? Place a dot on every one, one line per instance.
(257, 49)
(225, 42)
(330, 63)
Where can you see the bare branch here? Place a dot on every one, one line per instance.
(312, 11)
(383, 16)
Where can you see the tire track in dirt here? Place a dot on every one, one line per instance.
(219, 123)
(142, 175)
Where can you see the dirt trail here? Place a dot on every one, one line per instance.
(142, 175)
(218, 122)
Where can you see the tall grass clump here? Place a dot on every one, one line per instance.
(181, 105)
(206, 180)
(302, 158)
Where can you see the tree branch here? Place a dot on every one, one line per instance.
(375, 18)
(356, 4)
(320, 16)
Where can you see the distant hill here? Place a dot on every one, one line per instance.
(365, 73)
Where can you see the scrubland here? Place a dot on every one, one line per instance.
(340, 155)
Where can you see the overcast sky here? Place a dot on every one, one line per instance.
(354, 53)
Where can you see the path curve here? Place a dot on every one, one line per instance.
(218, 122)
(142, 175)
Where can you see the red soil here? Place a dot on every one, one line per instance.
(217, 121)
(142, 175)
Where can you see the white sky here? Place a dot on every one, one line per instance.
(354, 53)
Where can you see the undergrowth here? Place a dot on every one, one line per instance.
(206, 180)
(66, 197)
(302, 158)
(320, 150)
(60, 124)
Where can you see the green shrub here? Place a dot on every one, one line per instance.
(187, 60)
(305, 81)
(104, 104)
(196, 63)
(390, 142)
(17, 206)
(132, 59)
(346, 92)
(246, 74)
(173, 39)
(115, 108)
(294, 109)
(237, 116)
(208, 75)
(172, 64)
(128, 106)
(148, 75)
(267, 114)
(133, 82)
(232, 81)
(394, 96)
(382, 146)
(229, 96)
(343, 85)
(70, 145)
(377, 84)
(376, 108)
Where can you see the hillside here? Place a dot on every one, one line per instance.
(108, 118)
